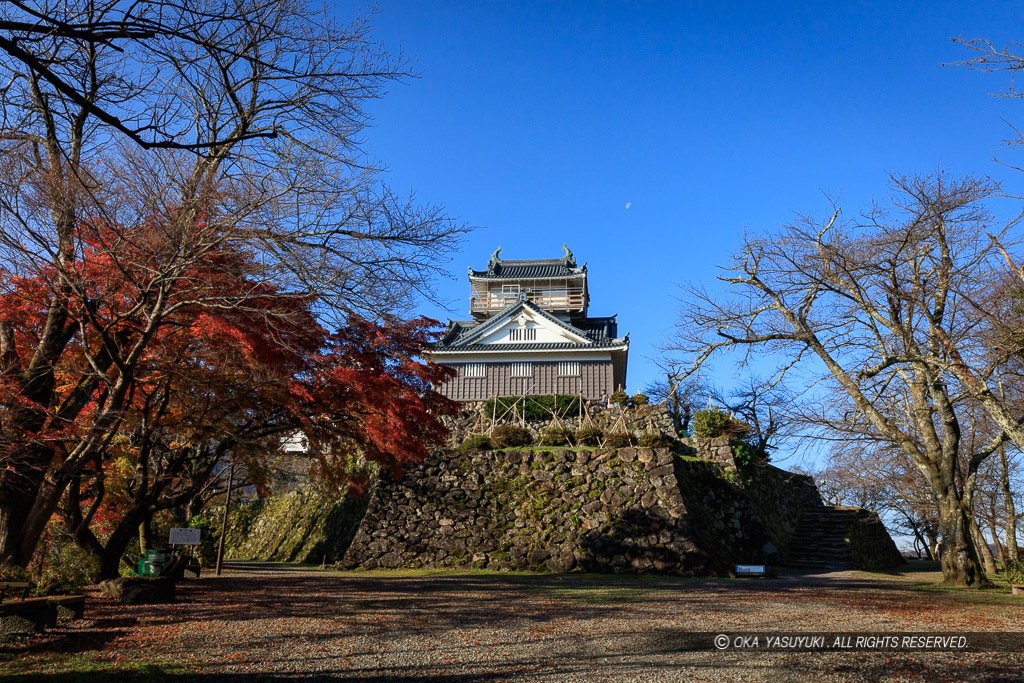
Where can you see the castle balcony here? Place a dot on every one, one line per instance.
(568, 299)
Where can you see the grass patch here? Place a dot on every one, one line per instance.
(926, 577)
(995, 595)
(91, 667)
(599, 595)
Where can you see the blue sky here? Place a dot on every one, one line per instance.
(539, 122)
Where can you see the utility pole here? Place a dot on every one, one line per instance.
(224, 522)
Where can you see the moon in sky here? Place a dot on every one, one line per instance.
(628, 204)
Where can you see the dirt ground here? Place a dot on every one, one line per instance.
(277, 622)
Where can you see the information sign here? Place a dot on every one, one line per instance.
(181, 536)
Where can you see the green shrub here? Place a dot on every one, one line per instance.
(1015, 572)
(620, 398)
(476, 442)
(589, 436)
(556, 436)
(747, 455)
(654, 440)
(711, 423)
(206, 552)
(618, 440)
(66, 569)
(640, 399)
(510, 436)
(533, 408)
(14, 574)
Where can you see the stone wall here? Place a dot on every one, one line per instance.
(305, 525)
(728, 526)
(871, 546)
(598, 510)
(631, 509)
(781, 500)
(718, 451)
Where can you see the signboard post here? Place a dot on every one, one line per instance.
(224, 522)
(181, 536)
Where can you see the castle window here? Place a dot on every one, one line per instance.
(518, 334)
(569, 368)
(474, 370)
(522, 369)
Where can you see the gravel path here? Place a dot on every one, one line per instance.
(272, 622)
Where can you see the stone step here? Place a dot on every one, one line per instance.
(820, 540)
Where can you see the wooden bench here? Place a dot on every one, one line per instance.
(22, 586)
(68, 607)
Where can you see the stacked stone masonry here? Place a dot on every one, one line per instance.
(541, 509)
(626, 510)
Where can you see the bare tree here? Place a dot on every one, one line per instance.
(681, 397)
(878, 311)
(760, 405)
(176, 144)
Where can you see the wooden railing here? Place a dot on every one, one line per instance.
(496, 301)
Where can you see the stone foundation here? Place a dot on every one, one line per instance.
(557, 510)
(631, 510)
(306, 525)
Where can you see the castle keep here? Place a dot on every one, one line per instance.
(530, 334)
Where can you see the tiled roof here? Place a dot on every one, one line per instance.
(546, 346)
(456, 330)
(599, 328)
(600, 332)
(535, 269)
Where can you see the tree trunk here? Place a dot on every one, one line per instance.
(1009, 508)
(145, 536)
(14, 507)
(959, 557)
(921, 544)
(43, 506)
(982, 546)
(117, 544)
(1000, 550)
(19, 487)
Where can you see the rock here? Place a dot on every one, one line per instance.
(538, 556)
(141, 590)
(661, 471)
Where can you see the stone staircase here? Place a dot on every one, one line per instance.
(820, 539)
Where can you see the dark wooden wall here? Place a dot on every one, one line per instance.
(594, 376)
